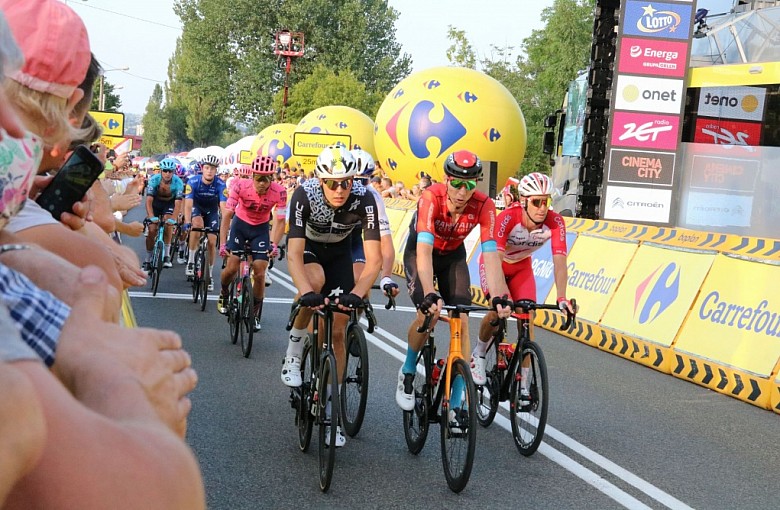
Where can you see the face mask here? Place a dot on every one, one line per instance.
(19, 160)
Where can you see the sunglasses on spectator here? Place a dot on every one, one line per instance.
(332, 184)
(469, 184)
(262, 178)
(539, 202)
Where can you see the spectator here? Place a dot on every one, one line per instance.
(401, 191)
(415, 192)
(388, 190)
(376, 182)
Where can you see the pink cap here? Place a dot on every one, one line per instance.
(55, 44)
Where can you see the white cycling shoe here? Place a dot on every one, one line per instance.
(340, 439)
(291, 371)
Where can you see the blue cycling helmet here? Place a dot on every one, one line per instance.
(194, 168)
(168, 164)
(365, 163)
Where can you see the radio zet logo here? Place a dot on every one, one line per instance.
(652, 57)
(727, 132)
(645, 130)
(655, 19)
(649, 94)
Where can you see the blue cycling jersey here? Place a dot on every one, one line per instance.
(172, 191)
(206, 196)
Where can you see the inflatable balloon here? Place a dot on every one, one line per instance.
(439, 110)
(338, 120)
(275, 141)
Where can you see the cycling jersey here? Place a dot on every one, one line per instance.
(435, 224)
(518, 243)
(252, 208)
(312, 218)
(165, 192)
(206, 197)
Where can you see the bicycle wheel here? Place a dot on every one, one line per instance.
(487, 395)
(416, 422)
(175, 243)
(354, 386)
(528, 421)
(305, 418)
(247, 319)
(203, 262)
(233, 315)
(459, 427)
(196, 279)
(328, 394)
(156, 266)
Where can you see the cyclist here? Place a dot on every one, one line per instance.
(521, 230)
(246, 215)
(164, 194)
(223, 174)
(446, 213)
(365, 170)
(204, 201)
(323, 214)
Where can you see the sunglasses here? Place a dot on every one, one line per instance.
(460, 183)
(262, 178)
(167, 171)
(333, 184)
(539, 202)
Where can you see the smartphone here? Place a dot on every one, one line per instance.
(71, 182)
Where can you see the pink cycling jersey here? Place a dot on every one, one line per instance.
(518, 243)
(253, 208)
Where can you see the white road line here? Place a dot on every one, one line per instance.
(398, 351)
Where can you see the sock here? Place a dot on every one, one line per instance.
(258, 308)
(148, 255)
(410, 365)
(192, 257)
(168, 250)
(524, 377)
(295, 345)
(456, 392)
(225, 290)
(481, 348)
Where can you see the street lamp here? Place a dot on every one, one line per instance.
(289, 45)
(102, 97)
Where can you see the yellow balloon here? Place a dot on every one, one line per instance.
(275, 141)
(338, 120)
(437, 111)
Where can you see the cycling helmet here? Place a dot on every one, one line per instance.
(463, 165)
(194, 168)
(210, 159)
(535, 184)
(168, 164)
(223, 170)
(181, 170)
(365, 163)
(245, 170)
(335, 162)
(155, 165)
(264, 165)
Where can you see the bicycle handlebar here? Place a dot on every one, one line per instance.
(332, 306)
(387, 290)
(528, 305)
(450, 308)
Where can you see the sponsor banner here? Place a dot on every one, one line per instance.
(112, 142)
(729, 174)
(594, 278)
(644, 94)
(736, 325)
(743, 103)
(395, 216)
(656, 19)
(652, 56)
(645, 130)
(113, 123)
(718, 209)
(311, 144)
(656, 293)
(637, 204)
(727, 132)
(641, 167)
(542, 264)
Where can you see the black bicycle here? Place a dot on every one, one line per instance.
(201, 277)
(518, 373)
(240, 304)
(158, 254)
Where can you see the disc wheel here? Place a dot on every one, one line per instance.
(529, 420)
(459, 427)
(354, 385)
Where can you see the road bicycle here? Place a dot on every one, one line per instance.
(320, 387)
(201, 277)
(240, 306)
(158, 255)
(176, 242)
(528, 399)
(451, 404)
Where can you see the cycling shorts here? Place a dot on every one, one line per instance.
(331, 256)
(519, 278)
(162, 208)
(450, 270)
(258, 236)
(358, 254)
(210, 217)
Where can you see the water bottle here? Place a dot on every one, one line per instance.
(437, 368)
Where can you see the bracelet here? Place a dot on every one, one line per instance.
(13, 247)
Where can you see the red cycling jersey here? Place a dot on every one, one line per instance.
(448, 233)
(517, 243)
(253, 208)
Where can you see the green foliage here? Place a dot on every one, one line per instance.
(156, 135)
(460, 53)
(112, 101)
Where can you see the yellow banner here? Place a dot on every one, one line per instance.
(111, 141)
(113, 123)
(312, 144)
(396, 217)
(595, 268)
(246, 157)
(656, 293)
(736, 317)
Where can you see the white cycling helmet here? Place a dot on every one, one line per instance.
(535, 184)
(210, 159)
(335, 162)
(365, 163)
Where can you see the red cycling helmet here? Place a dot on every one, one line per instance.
(264, 165)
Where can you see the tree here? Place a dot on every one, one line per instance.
(460, 53)
(156, 135)
(112, 101)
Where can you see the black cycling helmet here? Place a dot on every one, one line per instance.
(463, 165)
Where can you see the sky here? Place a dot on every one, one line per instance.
(141, 35)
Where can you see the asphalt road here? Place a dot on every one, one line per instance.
(619, 435)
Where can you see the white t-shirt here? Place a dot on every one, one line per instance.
(31, 215)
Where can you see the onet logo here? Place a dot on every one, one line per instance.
(618, 202)
(420, 129)
(663, 292)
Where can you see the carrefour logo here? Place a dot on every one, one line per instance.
(664, 288)
(758, 318)
(279, 148)
(657, 19)
(421, 128)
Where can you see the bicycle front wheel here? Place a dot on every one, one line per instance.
(203, 262)
(459, 427)
(416, 421)
(195, 279)
(487, 395)
(528, 410)
(233, 315)
(354, 386)
(305, 418)
(156, 268)
(328, 397)
(247, 319)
